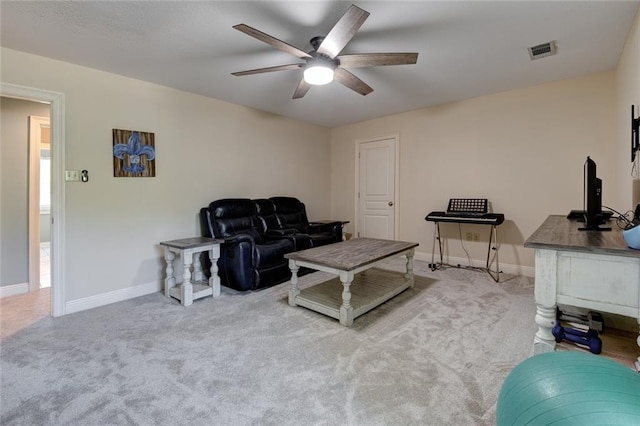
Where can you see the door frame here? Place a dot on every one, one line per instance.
(396, 179)
(57, 120)
(36, 124)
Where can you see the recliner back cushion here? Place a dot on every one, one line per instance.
(291, 212)
(267, 215)
(233, 216)
(292, 220)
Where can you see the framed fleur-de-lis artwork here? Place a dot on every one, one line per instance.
(134, 154)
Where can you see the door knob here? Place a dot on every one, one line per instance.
(390, 203)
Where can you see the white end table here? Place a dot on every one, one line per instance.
(189, 249)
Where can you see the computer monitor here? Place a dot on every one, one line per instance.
(592, 199)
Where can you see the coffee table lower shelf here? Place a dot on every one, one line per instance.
(369, 289)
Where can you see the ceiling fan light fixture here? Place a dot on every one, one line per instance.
(324, 59)
(318, 74)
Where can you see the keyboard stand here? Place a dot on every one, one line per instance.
(493, 246)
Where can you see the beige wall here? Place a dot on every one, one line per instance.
(523, 150)
(628, 93)
(206, 149)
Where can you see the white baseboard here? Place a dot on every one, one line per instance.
(527, 271)
(14, 289)
(112, 297)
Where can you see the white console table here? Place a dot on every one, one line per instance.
(587, 269)
(189, 249)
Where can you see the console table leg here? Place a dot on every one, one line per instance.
(294, 291)
(197, 274)
(186, 290)
(214, 280)
(346, 310)
(544, 341)
(170, 280)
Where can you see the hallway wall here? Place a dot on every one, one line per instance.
(14, 188)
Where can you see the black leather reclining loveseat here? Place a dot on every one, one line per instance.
(258, 233)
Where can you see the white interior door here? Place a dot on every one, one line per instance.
(57, 120)
(377, 170)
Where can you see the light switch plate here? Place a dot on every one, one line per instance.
(72, 175)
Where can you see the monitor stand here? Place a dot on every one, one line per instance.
(594, 228)
(578, 215)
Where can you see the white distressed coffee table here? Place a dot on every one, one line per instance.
(359, 286)
(189, 249)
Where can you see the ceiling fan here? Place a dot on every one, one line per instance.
(324, 63)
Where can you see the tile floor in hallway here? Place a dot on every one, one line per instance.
(22, 310)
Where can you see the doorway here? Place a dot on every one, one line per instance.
(377, 187)
(39, 202)
(56, 103)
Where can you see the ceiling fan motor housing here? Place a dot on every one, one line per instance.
(316, 42)
(318, 59)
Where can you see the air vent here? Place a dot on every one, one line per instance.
(543, 50)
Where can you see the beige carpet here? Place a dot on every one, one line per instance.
(435, 355)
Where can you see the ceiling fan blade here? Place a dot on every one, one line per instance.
(302, 89)
(269, 69)
(343, 31)
(349, 80)
(360, 60)
(266, 38)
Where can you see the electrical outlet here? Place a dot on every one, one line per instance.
(468, 236)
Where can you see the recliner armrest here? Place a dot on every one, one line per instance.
(239, 238)
(280, 232)
(318, 227)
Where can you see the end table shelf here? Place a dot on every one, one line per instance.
(189, 249)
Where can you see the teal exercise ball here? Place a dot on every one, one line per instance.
(569, 388)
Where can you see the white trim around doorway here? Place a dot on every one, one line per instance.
(57, 102)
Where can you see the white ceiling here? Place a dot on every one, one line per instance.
(466, 48)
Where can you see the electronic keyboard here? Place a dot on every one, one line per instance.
(466, 217)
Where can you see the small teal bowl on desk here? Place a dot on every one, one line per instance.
(632, 237)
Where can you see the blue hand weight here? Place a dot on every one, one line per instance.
(589, 338)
